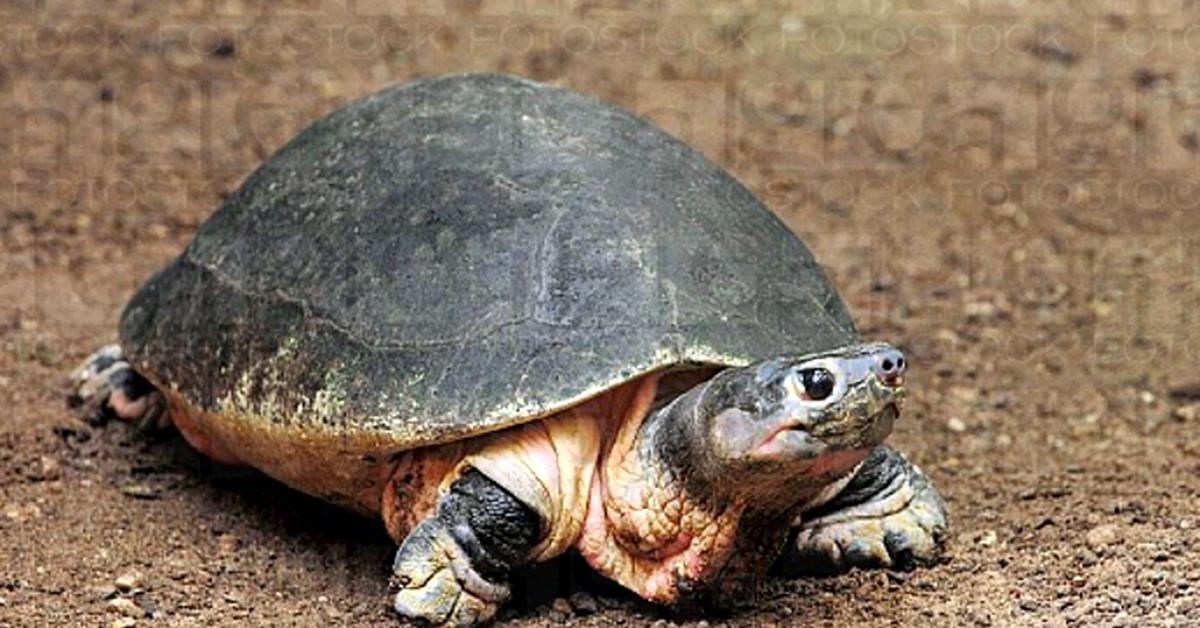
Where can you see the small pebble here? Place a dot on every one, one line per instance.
(956, 425)
(104, 592)
(123, 622)
(126, 607)
(1186, 413)
(22, 512)
(128, 581)
(141, 491)
(227, 544)
(976, 310)
(584, 603)
(1155, 576)
(619, 602)
(148, 606)
(897, 577)
(987, 539)
(48, 469)
(560, 607)
(1102, 536)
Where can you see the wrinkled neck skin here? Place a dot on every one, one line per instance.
(671, 522)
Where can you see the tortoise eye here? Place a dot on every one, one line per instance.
(818, 383)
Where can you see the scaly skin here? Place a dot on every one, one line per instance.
(647, 532)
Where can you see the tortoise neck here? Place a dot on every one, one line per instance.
(645, 527)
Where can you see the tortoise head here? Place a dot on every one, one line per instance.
(791, 418)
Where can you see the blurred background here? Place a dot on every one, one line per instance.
(1006, 189)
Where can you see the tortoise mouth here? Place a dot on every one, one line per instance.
(847, 427)
(804, 439)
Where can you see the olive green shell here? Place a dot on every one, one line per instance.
(462, 253)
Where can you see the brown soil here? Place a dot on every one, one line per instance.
(1011, 198)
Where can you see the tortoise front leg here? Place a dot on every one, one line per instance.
(453, 568)
(887, 515)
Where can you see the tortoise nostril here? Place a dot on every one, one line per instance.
(890, 367)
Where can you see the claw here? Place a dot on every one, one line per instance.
(894, 519)
(901, 540)
(432, 601)
(437, 584)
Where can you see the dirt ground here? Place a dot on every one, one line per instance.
(1006, 190)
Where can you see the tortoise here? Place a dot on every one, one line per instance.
(514, 321)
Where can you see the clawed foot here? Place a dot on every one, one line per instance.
(105, 387)
(900, 526)
(437, 584)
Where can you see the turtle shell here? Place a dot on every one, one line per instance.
(463, 253)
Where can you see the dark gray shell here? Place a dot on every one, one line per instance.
(462, 253)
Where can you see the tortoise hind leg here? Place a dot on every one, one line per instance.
(106, 387)
(453, 568)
